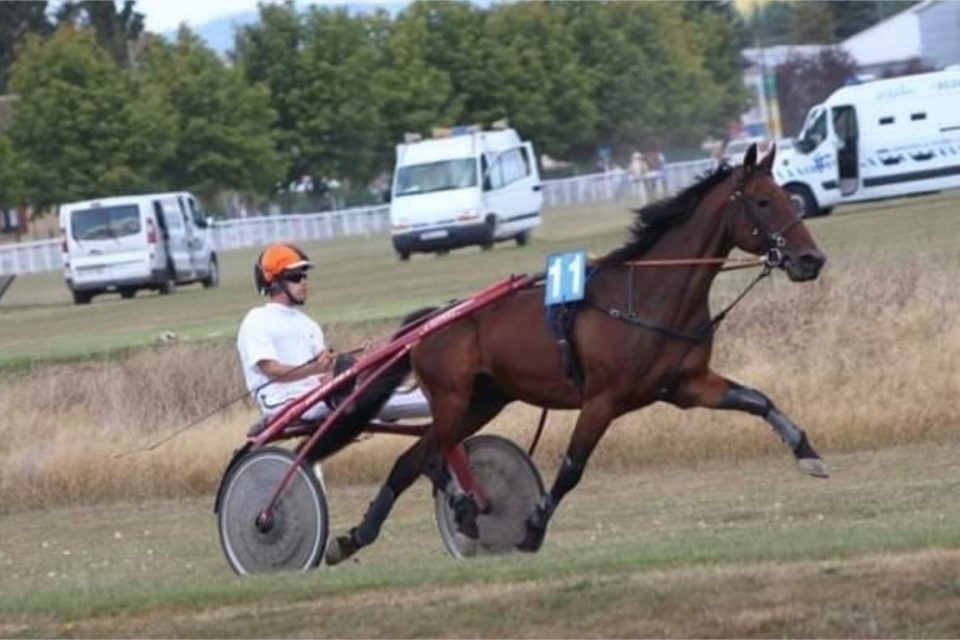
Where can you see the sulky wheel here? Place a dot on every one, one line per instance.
(294, 537)
(513, 485)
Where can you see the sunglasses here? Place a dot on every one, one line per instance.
(295, 277)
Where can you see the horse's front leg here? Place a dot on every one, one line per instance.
(593, 421)
(405, 471)
(714, 391)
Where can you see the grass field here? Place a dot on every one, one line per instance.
(360, 279)
(713, 550)
(863, 358)
(687, 524)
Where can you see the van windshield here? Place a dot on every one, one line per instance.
(436, 176)
(105, 223)
(814, 131)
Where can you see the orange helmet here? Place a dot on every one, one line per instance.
(276, 260)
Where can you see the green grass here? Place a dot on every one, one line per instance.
(360, 279)
(667, 552)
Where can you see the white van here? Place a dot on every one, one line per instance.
(469, 188)
(881, 139)
(126, 243)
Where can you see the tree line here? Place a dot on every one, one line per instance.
(101, 106)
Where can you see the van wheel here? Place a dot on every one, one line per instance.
(802, 200)
(487, 243)
(168, 286)
(522, 238)
(213, 275)
(404, 256)
(82, 297)
(126, 294)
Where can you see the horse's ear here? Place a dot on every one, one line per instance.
(766, 165)
(750, 158)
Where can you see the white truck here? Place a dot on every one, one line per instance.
(125, 243)
(880, 139)
(466, 187)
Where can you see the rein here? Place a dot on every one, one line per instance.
(631, 317)
(773, 243)
(730, 264)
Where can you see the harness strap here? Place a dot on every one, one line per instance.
(560, 319)
(695, 336)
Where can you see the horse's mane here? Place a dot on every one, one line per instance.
(654, 219)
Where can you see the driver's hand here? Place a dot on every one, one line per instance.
(325, 360)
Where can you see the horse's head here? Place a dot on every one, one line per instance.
(761, 220)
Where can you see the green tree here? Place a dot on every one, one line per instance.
(223, 123)
(83, 128)
(11, 183)
(269, 52)
(655, 85)
(414, 95)
(770, 23)
(812, 23)
(721, 36)
(535, 77)
(853, 16)
(338, 118)
(115, 29)
(17, 19)
(456, 46)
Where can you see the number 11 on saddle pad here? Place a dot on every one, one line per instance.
(566, 277)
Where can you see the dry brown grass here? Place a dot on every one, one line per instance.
(867, 356)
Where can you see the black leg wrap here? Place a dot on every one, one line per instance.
(436, 469)
(567, 478)
(536, 525)
(788, 432)
(465, 512)
(368, 530)
(804, 449)
(745, 399)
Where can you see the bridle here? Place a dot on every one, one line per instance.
(772, 241)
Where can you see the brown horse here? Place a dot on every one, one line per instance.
(642, 335)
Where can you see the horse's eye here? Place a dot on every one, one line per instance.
(763, 203)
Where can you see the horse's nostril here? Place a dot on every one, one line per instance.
(811, 261)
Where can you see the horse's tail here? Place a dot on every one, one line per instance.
(369, 403)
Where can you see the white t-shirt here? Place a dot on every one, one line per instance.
(285, 334)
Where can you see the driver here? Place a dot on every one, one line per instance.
(282, 350)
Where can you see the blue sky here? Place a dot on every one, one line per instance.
(163, 16)
(216, 20)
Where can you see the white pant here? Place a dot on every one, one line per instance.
(400, 406)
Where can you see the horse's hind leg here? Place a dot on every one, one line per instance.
(486, 402)
(593, 421)
(716, 392)
(405, 471)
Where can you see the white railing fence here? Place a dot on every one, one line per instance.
(44, 255)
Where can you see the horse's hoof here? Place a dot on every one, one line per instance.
(814, 467)
(532, 541)
(339, 549)
(469, 529)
